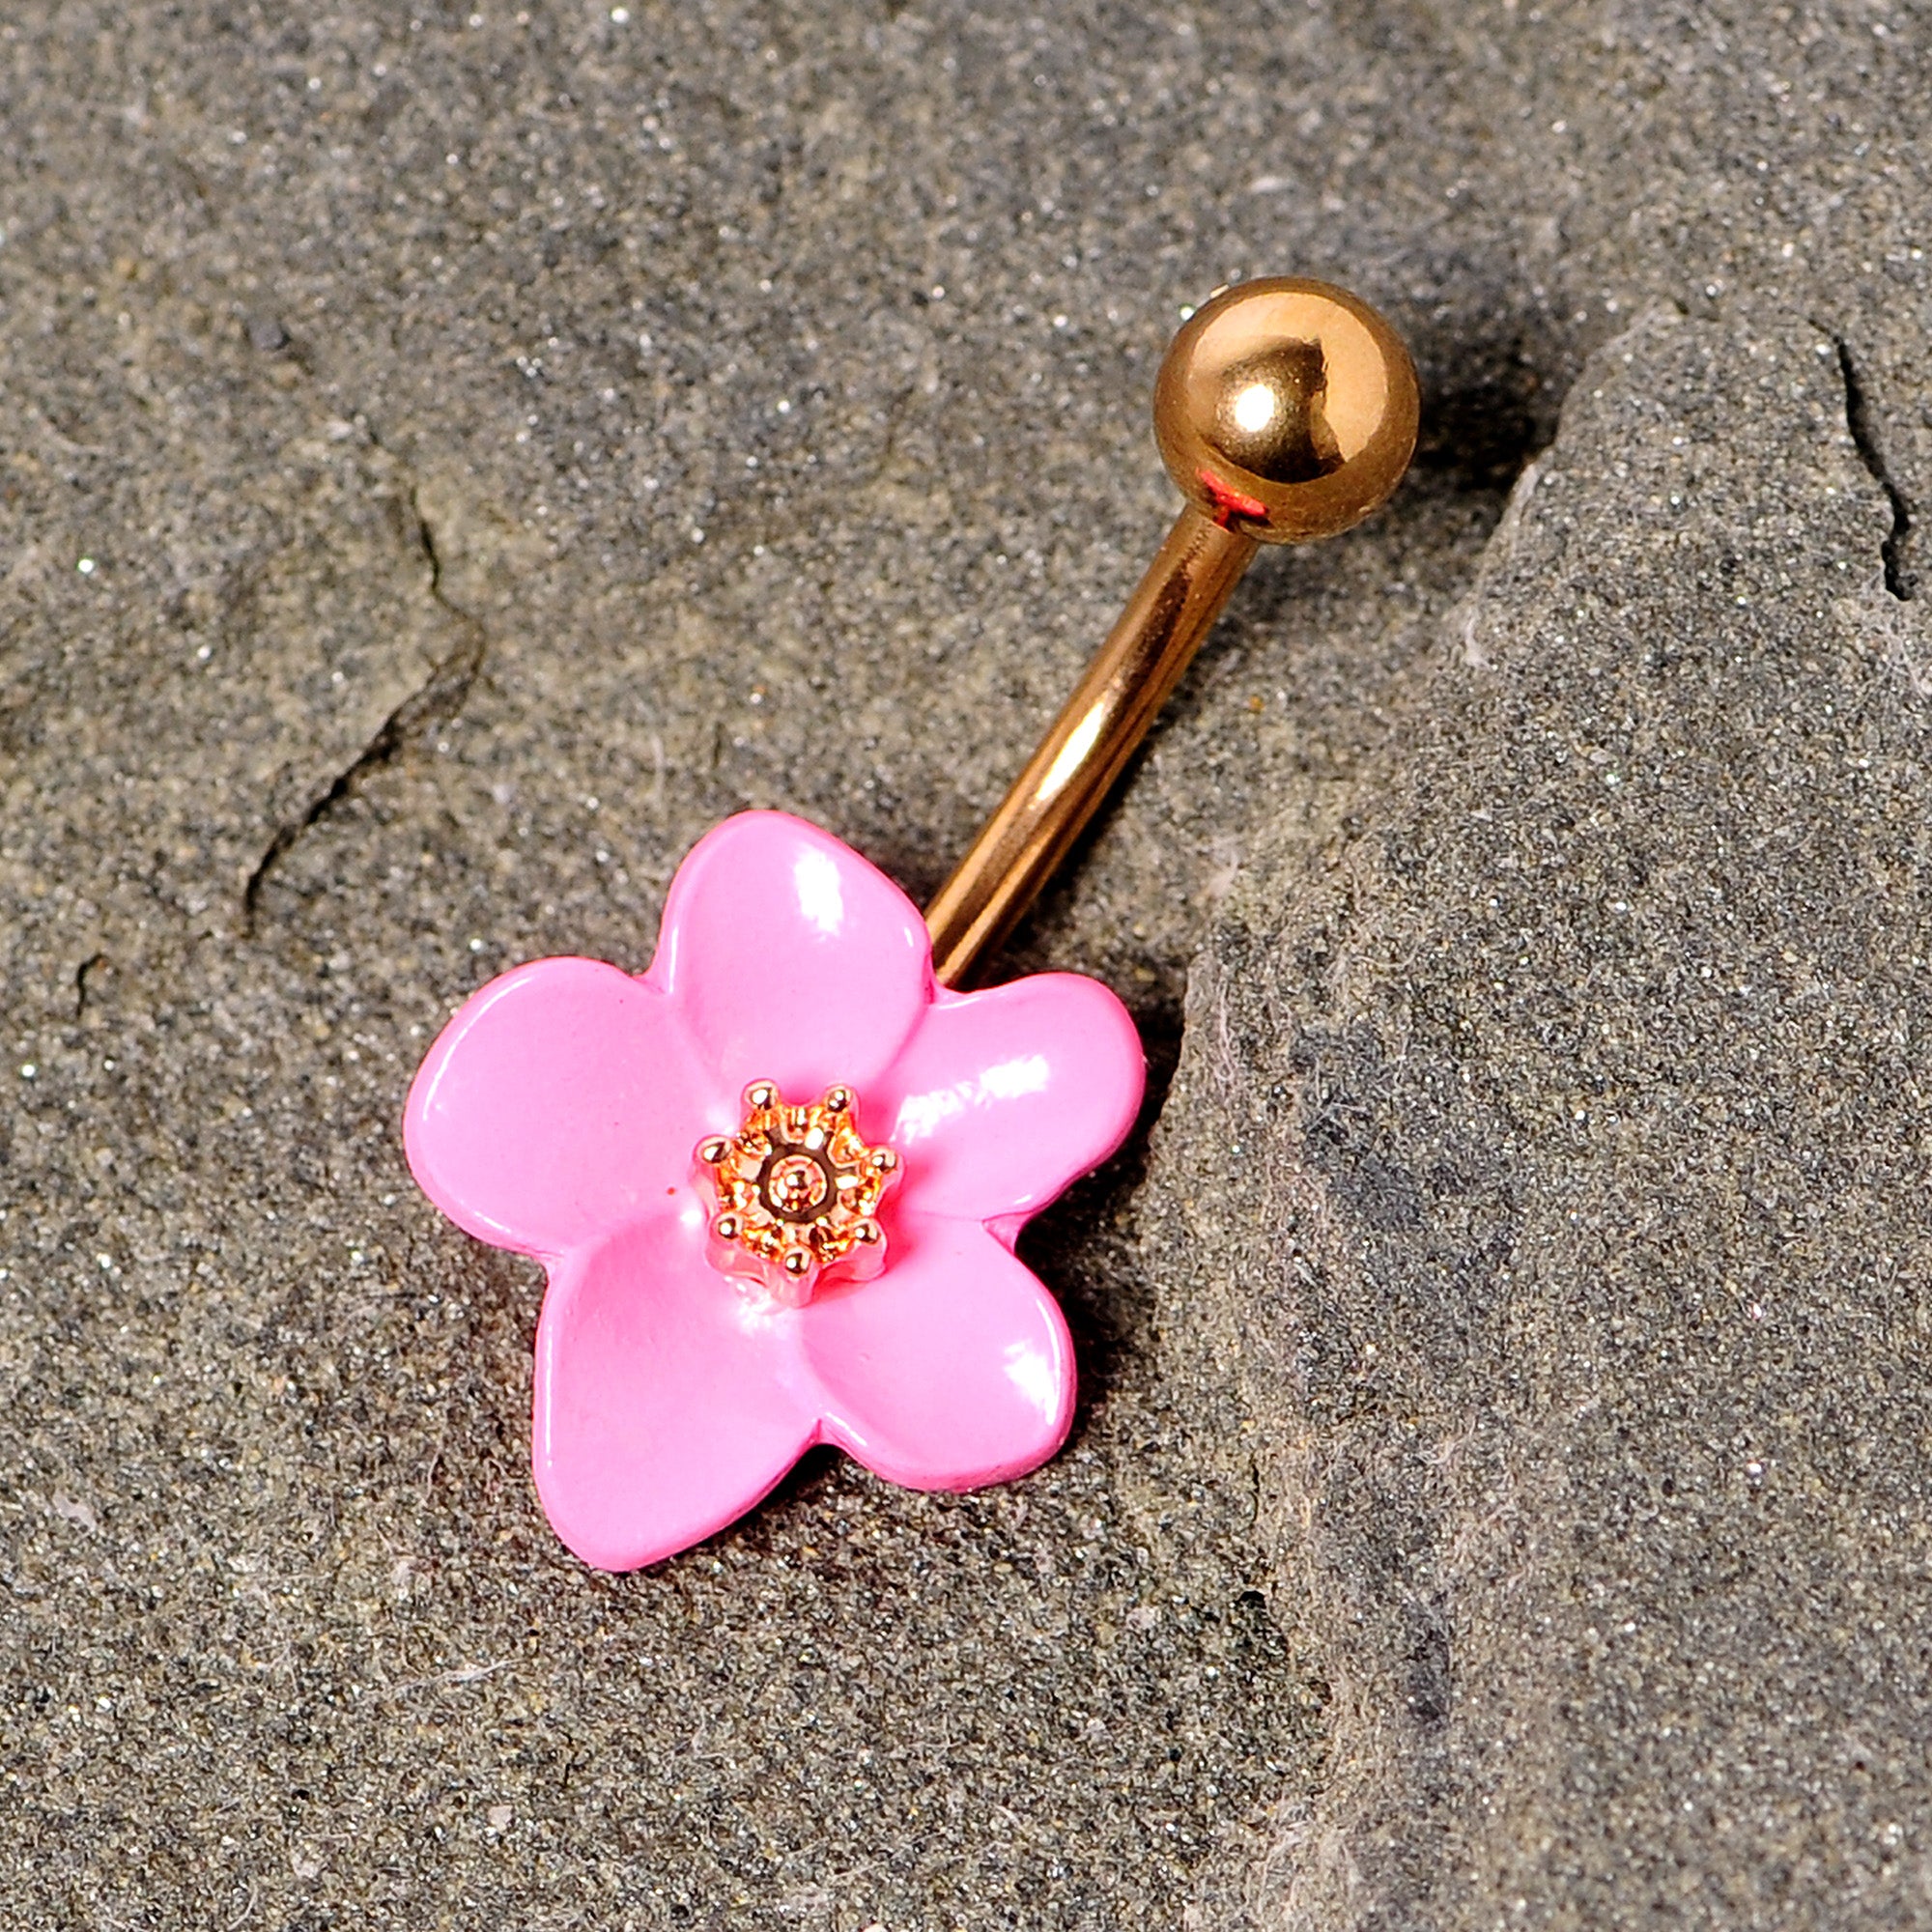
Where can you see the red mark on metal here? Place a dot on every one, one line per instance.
(1229, 503)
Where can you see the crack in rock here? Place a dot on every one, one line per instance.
(441, 697)
(1902, 583)
(93, 963)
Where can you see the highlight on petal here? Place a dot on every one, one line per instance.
(558, 1103)
(667, 1400)
(790, 958)
(953, 1369)
(1001, 1099)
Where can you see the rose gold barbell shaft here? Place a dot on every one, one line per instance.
(1286, 410)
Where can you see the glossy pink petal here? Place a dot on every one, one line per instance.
(558, 1103)
(790, 958)
(667, 1402)
(1001, 1099)
(953, 1369)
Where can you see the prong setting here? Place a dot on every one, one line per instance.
(797, 1192)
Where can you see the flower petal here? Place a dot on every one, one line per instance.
(667, 1400)
(1002, 1097)
(951, 1369)
(557, 1103)
(790, 958)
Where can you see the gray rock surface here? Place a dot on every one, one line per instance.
(1551, 1156)
(451, 458)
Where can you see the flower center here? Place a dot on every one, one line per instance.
(798, 1191)
(795, 1186)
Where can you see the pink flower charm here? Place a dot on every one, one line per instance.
(775, 1181)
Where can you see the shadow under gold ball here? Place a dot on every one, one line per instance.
(1286, 409)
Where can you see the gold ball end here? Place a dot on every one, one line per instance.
(837, 1099)
(885, 1161)
(797, 1262)
(1286, 409)
(713, 1149)
(760, 1095)
(727, 1226)
(867, 1234)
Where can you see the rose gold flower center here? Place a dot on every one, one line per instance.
(795, 1185)
(797, 1191)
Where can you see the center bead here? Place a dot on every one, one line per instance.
(795, 1186)
(798, 1191)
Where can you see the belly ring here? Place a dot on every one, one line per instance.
(776, 1181)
